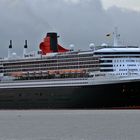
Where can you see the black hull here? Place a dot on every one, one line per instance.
(75, 97)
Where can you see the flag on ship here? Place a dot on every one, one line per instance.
(108, 35)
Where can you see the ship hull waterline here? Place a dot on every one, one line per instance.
(72, 97)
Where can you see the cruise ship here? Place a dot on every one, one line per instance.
(58, 78)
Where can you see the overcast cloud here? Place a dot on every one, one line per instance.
(128, 4)
(79, 22)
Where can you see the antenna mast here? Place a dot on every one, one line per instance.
(116, 37)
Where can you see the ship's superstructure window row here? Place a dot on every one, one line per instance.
(116, 53)
(76, 63)
(120, 63)
(112, 61)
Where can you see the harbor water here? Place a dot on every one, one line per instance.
(69, 124)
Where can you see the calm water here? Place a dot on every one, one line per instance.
(70, 125)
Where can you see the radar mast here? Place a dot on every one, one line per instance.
(116, 37)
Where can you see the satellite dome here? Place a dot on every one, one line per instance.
(92, 46)
(71, 47)
(104, 45)
(14, 54)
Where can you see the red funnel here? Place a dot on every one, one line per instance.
(50, 44)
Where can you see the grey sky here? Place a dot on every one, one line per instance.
(129, 4)
(79, 22)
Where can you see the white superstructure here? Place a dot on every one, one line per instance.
(108, 62)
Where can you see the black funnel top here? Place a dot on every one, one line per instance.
(53, 41)
(25, 46)
(10, 46)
